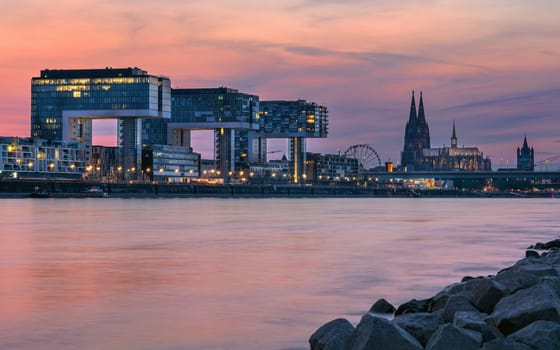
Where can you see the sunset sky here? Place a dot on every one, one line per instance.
(492, 66)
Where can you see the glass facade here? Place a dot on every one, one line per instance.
(217, 105)
(35, 158)
(105, 93)
(292, 119)
(64, 103)
(331, 167)
(226, 111)
(165, 163)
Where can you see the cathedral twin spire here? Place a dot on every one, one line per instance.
(417, 134)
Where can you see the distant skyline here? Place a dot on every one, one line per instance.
(492, 67)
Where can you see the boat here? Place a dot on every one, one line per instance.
(40, 194)
(95, 192)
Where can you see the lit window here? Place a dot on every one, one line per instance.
(76, 94)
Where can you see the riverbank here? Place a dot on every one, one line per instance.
(516, 309)
(62, 189)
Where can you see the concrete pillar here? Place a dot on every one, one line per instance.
(257, 149)
(225, 151)
(297, 158)
(179, 137)
(129, 144)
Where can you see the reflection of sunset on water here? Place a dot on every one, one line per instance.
(241, 274)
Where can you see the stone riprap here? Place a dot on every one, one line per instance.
(518, 308)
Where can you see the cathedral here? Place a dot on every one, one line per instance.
(417, 155)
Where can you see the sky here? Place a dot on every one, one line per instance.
(493, 67)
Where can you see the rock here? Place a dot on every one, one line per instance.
(413, 306)
(535, 266)
(378, 333)
(551, 257)
(515, 280)
(420, 325)
(552, 244)
(332, 335)
(553, 283)
(484, 293)
(382, 306)
(449, 336)
(504, 344)
(456, 303)
(538, 246)
(474, 321)
(466, 278)
(531, 254)
(438, 301)
(525, 306)
(541, 335)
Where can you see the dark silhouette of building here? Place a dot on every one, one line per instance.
(416, 137)
(456, 158)
(418, 155)
(525, 157)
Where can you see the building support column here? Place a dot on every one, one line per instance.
(130, 145)
(225, 151)
(179, 137)
(297, 158)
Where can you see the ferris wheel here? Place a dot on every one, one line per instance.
(365, 154)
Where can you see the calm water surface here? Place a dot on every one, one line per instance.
(238, 273)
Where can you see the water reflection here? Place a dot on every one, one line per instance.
(237, 274)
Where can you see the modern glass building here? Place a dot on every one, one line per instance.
(171, 164)
(32, 158)
(295, 120)
(64, 103)
(224, 110)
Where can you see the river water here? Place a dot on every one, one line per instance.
(176, 274)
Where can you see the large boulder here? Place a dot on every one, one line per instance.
(378, 333)
(513, 281)
(474, 321)
(541, 335)
(504, 344)
(536, 266)
(518, 310)
(382, 306)
(413, 306)
(438, 301)
(420, 325)
(552, 244)
(449, 336)
(483, 293)
(551, 257)
(454, 304)
(332, 335)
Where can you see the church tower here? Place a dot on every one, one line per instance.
(409, 156)
(454, 137)
(416, 137)
(423, 129)
(525, 157)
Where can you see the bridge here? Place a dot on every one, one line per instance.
(552, 176)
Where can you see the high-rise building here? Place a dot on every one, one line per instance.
(295, 120)
(525, 157)
(64, 103)
(226, 111)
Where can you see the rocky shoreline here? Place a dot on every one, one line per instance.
(516, 309)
